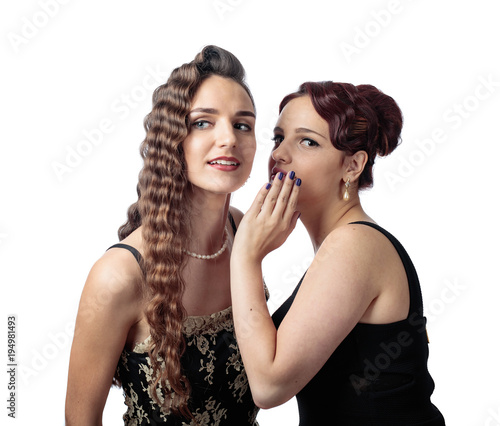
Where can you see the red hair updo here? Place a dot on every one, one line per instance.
(360, 118)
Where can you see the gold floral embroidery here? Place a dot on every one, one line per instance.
(135, 411)
(209, 324)
(241, 382)
(203, 345)
(205, 418)
(203, 334)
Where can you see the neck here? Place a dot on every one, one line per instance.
(320, 219)
(207, 222)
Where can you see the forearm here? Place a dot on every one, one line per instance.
(265, 227)
(89, 381)
(255, 330)
(81, 410)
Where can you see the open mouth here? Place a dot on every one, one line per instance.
(224, 163)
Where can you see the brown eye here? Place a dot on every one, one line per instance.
(277, 139)
(242, 126)
(309, 142)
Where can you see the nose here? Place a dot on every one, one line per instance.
(281, 154)
(226, 135)
(278, 156)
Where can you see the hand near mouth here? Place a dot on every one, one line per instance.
(275, 170)
(270, 219)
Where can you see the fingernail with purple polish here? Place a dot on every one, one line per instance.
(280, 176)
(268, 186)
(298, 182)
(291, 175)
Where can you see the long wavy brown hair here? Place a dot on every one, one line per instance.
(163, 210)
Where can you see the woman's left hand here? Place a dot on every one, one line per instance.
(270, 219)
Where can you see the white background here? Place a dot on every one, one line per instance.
(73, 69)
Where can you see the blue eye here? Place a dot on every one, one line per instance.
(309, 142)
(200, 124)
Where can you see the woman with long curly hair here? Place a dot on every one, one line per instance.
(155, 313)
(351, 340)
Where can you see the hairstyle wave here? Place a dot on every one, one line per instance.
(163, 210)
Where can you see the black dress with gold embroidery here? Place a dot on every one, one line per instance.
(220, 394)
(212, 363)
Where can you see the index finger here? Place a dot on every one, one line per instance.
(285, 194)
(258, 202)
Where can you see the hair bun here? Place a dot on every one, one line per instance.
(216, 60)
(390, 118)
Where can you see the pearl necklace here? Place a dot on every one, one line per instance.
(211, 256)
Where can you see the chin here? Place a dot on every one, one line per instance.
(220, 188)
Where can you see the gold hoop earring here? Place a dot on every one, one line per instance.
(346, 192)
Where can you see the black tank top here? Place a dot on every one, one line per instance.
(378, 375)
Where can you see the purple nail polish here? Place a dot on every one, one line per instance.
(268, 186)
(298, 182)
(291, 175)
(280, 176)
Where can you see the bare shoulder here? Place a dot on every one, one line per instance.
(367, 259)
(236, 214)
(356, 236)
(355, 247)
(352, 236)
(118, 271)
(114, 281)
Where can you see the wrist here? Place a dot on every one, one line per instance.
(241, 255)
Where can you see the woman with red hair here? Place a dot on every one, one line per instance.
(351, 341)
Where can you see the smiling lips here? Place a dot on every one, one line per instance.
(226, 164)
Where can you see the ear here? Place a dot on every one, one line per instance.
(354, 165)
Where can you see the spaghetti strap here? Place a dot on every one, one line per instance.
(233, 224)
(411, 273)
(131, 249)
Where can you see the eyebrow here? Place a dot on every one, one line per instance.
(216, 111)
(300, 130)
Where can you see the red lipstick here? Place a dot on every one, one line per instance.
(226, 164)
